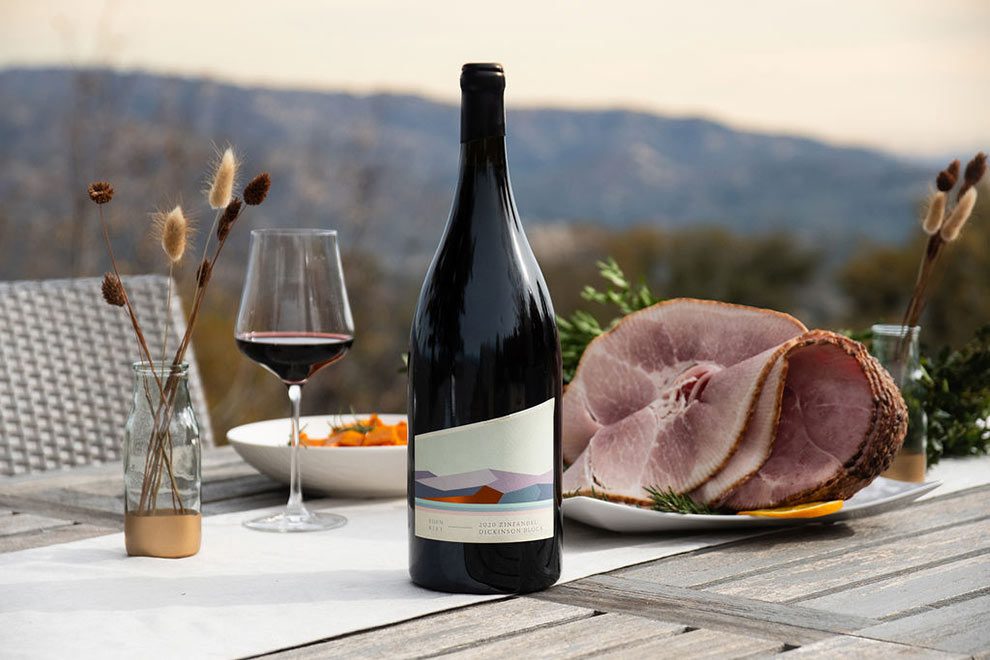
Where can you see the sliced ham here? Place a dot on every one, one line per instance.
(741, 407)
(754, 450)
(646, 391)
(842, 419)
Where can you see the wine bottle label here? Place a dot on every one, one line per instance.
(488, 482)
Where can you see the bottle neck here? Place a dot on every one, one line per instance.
(482, 114)
(483, 191)
(483, 202)
(484, 155)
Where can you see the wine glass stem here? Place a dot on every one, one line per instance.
(295, 505)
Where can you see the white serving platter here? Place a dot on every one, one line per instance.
(882, 495)
(338, 471)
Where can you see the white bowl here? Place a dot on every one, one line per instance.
(338, 471)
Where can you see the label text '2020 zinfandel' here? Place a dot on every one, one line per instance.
(484, 383)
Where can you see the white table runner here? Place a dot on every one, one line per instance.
(250, 592)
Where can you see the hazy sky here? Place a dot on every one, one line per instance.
(911, 76)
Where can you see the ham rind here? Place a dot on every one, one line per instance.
(842, 420)
(665, 397)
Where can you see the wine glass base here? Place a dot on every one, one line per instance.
(297, 522)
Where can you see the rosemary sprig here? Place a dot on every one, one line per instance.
(671, 502)
(356, 426)
(621, 296)
(580, 492)
(340, 425)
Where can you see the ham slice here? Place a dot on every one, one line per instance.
(741, 407)
(645, 392)
(841, 421)
(754, 450)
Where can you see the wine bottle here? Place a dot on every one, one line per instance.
(484, 383)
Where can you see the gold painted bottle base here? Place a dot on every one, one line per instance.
(162, 534)
(907, 467)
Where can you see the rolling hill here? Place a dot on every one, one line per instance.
(383, 166)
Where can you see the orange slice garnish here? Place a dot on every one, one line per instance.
(810, 510)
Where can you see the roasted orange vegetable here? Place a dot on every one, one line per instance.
(346, 439)
(311, 442)
(382, 435)
(368, 432)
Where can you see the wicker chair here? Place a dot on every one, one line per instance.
(65, 374)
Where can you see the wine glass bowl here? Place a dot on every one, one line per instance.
(294, 319)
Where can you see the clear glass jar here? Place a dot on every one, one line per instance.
(896, 347)
(162, 465)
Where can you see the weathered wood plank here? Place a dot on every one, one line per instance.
(866, 649)
(224, 461)
(81, 499)
(50, 536)
(218, 464)
(960, 627)
(697, 644)
(225, 484)
(757, 556)
(253, 484)
(865, 565)
(64, 510)
(594, 636)
(792, 624)
(905, 593)
(95, 494)
(245, 503)
(446, 632)
(84, 494)
(18, 523)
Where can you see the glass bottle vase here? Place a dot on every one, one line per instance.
(162, 465)
(896, 347)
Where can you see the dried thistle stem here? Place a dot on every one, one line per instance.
(171, 385)
(168, 309)
(127, 301)
(916, 305)
(213, 230)
(143, 344)
(943, 227)
(159, 455)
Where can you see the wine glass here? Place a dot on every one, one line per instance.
(294, 320)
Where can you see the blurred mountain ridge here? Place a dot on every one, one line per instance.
(383, 166)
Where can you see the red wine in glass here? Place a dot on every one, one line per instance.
(294, 356)
(294, 319)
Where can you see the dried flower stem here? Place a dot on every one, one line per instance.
(156, 448)
(213, 230)
(159, 458)
(933, 249)
(127, 301)
(142, 342)
(942, 229)
(171, 385)
(151, 480)
(154, 465)
(168, 309)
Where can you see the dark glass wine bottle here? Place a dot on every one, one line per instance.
(484, 383)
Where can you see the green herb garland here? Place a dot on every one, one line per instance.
(956, 399)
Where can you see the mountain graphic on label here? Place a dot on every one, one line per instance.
(484, 487)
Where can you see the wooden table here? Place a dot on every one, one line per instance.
(913, 583)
